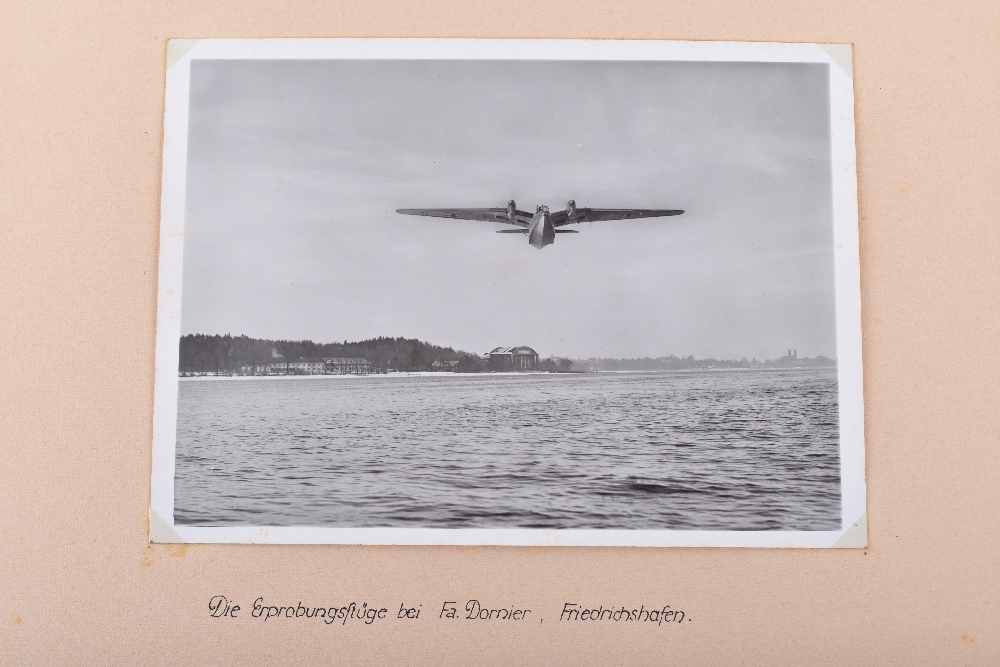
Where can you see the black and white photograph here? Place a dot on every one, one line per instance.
(509, 292)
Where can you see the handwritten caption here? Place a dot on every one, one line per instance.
(354, 613)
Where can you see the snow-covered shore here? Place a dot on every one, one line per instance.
(212, 378)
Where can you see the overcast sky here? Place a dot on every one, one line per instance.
(296, 168)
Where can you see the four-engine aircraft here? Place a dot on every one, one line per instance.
(541, 226)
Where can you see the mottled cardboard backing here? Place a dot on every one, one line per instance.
(80, 180)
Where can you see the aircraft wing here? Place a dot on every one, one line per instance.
(592, 214)
(485, 214)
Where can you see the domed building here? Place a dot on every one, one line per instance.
(521, 358)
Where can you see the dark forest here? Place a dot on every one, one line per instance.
(200, 353)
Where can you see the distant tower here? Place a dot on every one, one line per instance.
(795, 354)
(789, 355)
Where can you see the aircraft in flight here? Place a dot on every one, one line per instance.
(542, 226)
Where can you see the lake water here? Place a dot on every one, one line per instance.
(716, 450)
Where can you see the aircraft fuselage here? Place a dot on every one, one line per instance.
(541, 231)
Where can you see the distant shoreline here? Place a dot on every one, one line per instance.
(321, 376)
(205, 378)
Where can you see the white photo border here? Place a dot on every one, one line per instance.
(180, 53)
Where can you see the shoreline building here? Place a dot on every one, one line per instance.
(311, 366)
(520, 358)
(306, 366)
(278, 365)
(348, 366)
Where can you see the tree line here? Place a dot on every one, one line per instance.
(201, 353)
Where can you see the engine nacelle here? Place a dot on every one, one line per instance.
(571, 209)
(511, 210)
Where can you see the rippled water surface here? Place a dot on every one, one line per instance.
(752, 450)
